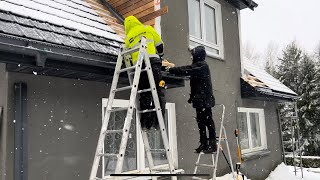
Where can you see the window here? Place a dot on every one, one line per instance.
(252, 129)
(205, 26)
(135, 160)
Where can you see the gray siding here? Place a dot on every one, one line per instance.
(4, 141)
(260, 168)
(54, 151)
(226, 84)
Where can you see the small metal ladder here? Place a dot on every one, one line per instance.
(215, 156)
(294, 130)
(132, 70)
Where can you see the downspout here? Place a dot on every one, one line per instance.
(240, 43)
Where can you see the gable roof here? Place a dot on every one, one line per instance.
(264, 77)
(70, 23)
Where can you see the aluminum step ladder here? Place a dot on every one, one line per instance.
(296, 152)
(135, 71)
(215, 156)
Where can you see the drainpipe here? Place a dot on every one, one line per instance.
(240, 42)
(42, 55)
(113, 11)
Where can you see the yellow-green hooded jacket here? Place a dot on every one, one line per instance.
(134, 30)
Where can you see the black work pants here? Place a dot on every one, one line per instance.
(204, 120)
(146, 100)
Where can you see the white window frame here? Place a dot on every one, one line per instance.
(219, 28)
(263, 133)
(172, 135)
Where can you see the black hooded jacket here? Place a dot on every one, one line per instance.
(200, 79)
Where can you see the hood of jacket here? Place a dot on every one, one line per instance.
(130, 22)
(198, 54)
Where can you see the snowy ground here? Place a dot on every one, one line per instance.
(283, 172)
(287, 172)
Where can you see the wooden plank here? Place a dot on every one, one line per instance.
(117, 3)
(126, 5)
(145, 12)
(152, 22)
(138, 7)
(155, 14)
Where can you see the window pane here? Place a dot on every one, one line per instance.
(194, 18)
(243, 128)
(255, 130)
(112, 143)
(210, 24)
(156, 142)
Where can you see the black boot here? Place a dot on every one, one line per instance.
(203, 146)
(212, 147)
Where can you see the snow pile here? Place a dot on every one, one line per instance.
(230, 177)
(287, 172)
(280, 173)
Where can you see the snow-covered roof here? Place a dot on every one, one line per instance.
(271, 82)
(73, 14)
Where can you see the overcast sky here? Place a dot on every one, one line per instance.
(281, 22)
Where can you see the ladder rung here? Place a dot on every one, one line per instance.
(114, 131)
(122, 88)
(126, 69)
(108, 155)
(160, 169)
(142, 70)
(147, 111)
(144, 90)
(157, 150)
(118, 109)
(198, 178)
(130, 51)
(205, 165)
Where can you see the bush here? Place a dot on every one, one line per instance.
(306, 162)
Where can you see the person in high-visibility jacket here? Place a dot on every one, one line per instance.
(134, 31)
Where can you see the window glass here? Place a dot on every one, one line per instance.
(255, 130)
(243, 128)
(112, 143)
(194, 18)
(210, 24)
(156, 143)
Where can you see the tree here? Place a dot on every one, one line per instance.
(271, 56)
(307, 103)
(288, 68)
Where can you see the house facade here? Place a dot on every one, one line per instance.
(56, 66)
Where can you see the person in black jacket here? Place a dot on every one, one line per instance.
(201, 97)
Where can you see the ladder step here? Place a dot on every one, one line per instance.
(142, 70)
(198, 178)
(144, 90)
(114, 131)
(108, 155)
(126, 69)
(205, 165)
(160, 169)
(118, 109)
(157, 150)
(122, 88)
(130, 51)
(147, 111)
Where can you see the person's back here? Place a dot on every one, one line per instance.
(134, 31)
